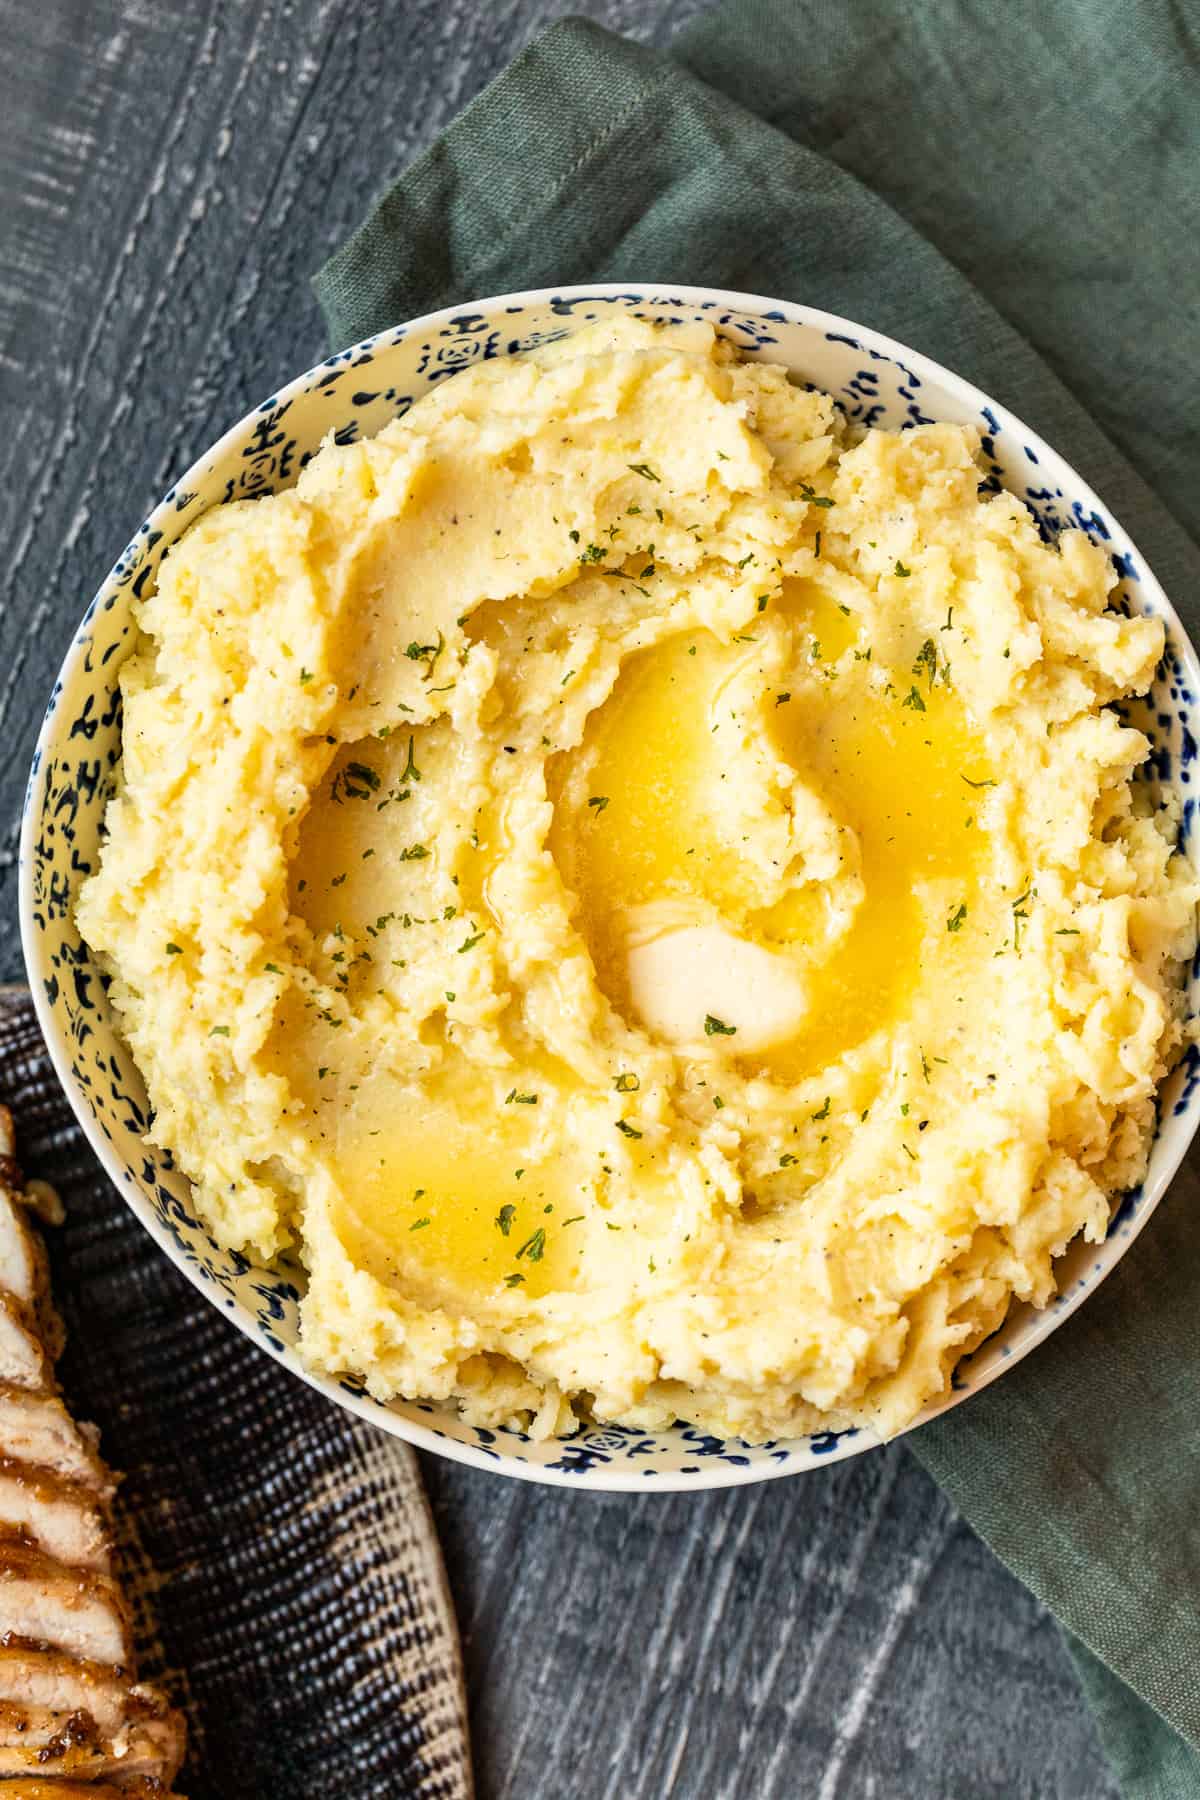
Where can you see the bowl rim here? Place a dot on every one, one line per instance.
(1177, 1132)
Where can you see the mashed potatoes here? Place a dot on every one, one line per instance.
(645, 888)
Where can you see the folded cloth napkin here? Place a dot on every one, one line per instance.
(1016, 191)
(286, 1580)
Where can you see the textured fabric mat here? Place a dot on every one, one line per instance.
(1013, 190)
(286, 1579)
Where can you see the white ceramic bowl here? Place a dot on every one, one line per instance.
(354, 394)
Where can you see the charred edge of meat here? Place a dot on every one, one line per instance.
(14, 1640)
(49, 1485)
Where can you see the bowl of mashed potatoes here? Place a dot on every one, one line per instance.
(608, 873)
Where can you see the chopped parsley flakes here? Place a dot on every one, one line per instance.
(1021, 914)
(534, 1247)
(927, 663)
(357, 781)
(411, 771)
(426, 653)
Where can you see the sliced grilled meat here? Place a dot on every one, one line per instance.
(24, 1271)
(57, 1516)
(42, 1602)
(65, 1684)
(24, 1268)
(24, 1362)
(72, 1723)
(37, 1428)
(53, 1743)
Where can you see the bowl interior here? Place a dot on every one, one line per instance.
(354, 394)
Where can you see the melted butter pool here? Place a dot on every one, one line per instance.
(431, 1193)
(897, 774)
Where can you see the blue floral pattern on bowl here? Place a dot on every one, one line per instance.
(354, 394)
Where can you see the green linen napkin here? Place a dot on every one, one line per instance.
(1015, 190)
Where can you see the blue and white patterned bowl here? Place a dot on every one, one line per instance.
(352, 395)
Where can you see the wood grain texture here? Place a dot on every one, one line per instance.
(837, 1636)
(173, 173)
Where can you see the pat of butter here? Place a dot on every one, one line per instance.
(681, 977)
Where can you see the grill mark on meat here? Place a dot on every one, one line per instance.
(65, 1684)
(68, 1609)
(71, 1744)
(55, 1515)
(38, 1788)
(37, 1428)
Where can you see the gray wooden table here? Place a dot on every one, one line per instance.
(171, 173)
